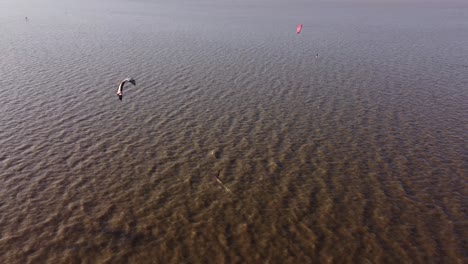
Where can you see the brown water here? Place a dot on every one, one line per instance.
(357, 156)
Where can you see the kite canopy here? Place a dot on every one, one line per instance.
(299, 28)
(121, 86)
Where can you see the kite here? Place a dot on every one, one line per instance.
(121, 86)
(299, 28)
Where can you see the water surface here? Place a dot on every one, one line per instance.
(358, 155)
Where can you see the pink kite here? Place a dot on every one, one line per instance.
(299, 28)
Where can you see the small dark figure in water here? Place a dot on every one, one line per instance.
(26, 18)
(316, 55)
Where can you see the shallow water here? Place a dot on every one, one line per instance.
(357, 156)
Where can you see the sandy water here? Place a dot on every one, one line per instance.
(358, 155)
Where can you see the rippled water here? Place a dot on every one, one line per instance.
(358, 155)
